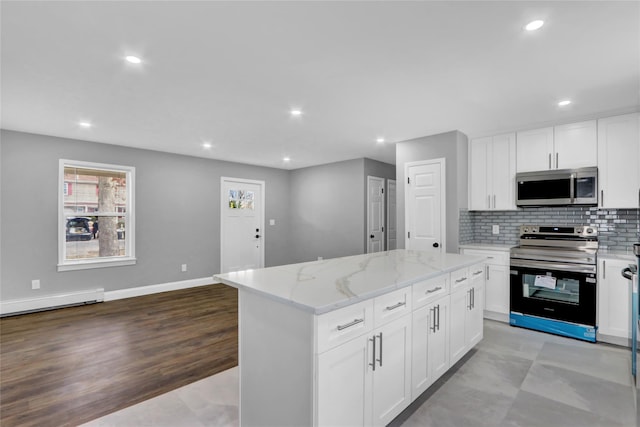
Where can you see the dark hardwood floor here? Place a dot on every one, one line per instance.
(69, 366)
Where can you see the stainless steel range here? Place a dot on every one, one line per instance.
(553, 280)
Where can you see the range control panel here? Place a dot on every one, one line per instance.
(586, 231)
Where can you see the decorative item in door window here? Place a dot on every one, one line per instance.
(234, 199)
(246, 201)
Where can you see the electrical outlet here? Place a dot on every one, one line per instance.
(35, 284)
(184, 267)
(272, 222)
(320, 258)
(495, 229)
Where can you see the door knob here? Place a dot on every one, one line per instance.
(436, 244)
(257, 236)
(372, 236)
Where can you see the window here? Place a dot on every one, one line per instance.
(96, 226)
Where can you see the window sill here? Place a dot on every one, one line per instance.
(89, 264)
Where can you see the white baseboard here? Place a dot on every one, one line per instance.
(493, 315)
(154, 289)
(28, 305)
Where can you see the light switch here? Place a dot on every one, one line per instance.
(495, 229)
(272, 222)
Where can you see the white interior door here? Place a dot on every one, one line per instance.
(242, 224)
(375, 214)
(425, 199)
(392, 239)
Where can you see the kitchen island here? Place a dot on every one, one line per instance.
(353, 340)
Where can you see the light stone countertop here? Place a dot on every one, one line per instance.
(322, 286)
(486, 246)
(617, 255)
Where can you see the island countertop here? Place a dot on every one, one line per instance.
(322, 286)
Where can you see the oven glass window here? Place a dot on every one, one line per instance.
(557, 289)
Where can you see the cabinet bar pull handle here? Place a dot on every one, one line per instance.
(489, 201)
(549, 160)
(380, 360)
(604, 268)
(460, 280)
(393, 307)
(433, 322)
(469, 305)
(557, 161)
(473, 297)
(602, 198)
(430, 291)
(373, 353)
(487, 268)
(350, 324)
(438, 322)
(494, 201)
(475, 273)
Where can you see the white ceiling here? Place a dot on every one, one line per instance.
(229, 72)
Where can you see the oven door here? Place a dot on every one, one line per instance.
(554, 290)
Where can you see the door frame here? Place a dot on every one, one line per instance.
(387, 222)
(443, 198)
(383, 238)
(223, 203)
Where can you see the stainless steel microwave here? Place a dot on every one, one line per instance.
(558, 187)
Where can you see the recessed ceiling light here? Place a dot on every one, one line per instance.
(534, 25)
(564, 103)
(295, 113)
(206, 145)
(286, 159)
(133, 59)
(85, 124)
(380, 140)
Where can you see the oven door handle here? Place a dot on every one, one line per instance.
(542, 265)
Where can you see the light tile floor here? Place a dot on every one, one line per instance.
(513, 378)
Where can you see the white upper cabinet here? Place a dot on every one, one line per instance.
(534, 150)
(574, 145)
(492, 164)
(619, 160)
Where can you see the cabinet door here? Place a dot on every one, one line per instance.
(423, 321)
(457, 319)
(479, 193)
(430, 345)
(497, 289)
(438, 351)
(614, 299)
(392, 377)
(474, 326)
(534, 150)
(502, 172)
(344, 384)
(576, 145)
(618, 160)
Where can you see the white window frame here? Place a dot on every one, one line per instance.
(82, 264)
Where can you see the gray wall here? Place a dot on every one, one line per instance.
(327, 215)
(452, 146)
(177, 215)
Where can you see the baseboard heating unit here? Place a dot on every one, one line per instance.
(49, 302)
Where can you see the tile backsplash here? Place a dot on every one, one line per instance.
(618, 228)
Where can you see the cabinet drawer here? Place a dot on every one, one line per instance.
(459, 278)
(342, 325)
(477, 272)
(391, 306)
(494, 257)
(429, 290)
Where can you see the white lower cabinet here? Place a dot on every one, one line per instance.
(430, 345)
(614, 301)
(368, 378)
(466, 314)
(366, 381)
(496, 293)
